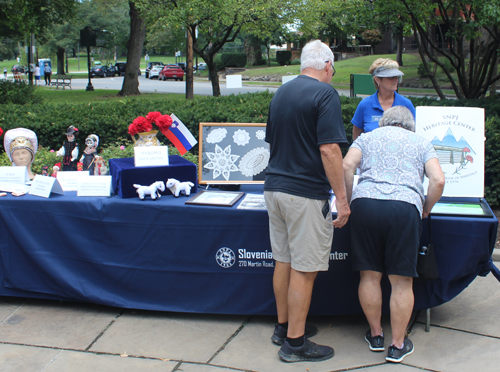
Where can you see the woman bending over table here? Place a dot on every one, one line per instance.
(386, 77)
(387, 207)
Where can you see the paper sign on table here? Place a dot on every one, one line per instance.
(150, 156)
(94, 186)
(43, 186)
(69, 180)
(12, 174)
(14, 187)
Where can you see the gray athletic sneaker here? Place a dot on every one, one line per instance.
(376, 343)
(280, 333)
(396, 355)
(310, 352)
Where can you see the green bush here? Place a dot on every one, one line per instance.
(234, 59)
(421, 71)
(17, 92)
(219, 65)
(284, 57)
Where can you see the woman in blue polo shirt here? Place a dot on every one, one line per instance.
(386, 75)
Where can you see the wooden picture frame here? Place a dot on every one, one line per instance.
(232, 153)
(215, 198)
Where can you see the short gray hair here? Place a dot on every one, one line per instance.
(314, 55)
(398, 116)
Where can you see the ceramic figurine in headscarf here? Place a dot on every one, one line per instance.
(89, 154)
(69, 150)
(21, 145)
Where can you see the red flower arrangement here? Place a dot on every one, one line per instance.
(145, 124)
(1, 131)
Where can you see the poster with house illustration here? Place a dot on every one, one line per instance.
(457, 134)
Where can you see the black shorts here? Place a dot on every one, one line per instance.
(385, 236)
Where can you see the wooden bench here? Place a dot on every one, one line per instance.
(61, 81)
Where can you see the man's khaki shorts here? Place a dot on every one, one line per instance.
(299, 232)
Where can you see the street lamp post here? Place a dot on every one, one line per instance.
(88, 39)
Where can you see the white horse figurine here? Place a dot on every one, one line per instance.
(151, 190)
(177, 187)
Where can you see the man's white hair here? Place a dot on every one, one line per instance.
(314, 55)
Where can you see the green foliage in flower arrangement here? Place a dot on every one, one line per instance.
(44, 157)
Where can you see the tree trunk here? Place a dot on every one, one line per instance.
(60, 61)
(134, 49)
(189, 66)
(399, 40)
(214, 76)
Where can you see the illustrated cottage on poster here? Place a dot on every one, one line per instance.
(457, 134)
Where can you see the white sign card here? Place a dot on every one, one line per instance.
(233, 81)
(43, 186)
(69, 180)
(94, 186)
(14, 187)
(150, 156)
(13, 174)
(286, 79)
(457, 134)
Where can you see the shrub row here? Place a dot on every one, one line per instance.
(284, 57)
(110, 121)
(234, 59)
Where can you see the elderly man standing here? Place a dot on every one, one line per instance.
(304, 130)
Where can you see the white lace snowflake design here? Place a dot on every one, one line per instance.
(254, 161)
(217, 135)
(260, 134)
(241, 137)
(222, 162)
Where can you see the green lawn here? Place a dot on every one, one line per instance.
(52, 96)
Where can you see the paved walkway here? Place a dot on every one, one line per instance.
(53, 336)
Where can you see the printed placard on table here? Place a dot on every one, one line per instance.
(69, 180)
(11, 174)
(14, 187)
(150, 156)
(94, 186)
(457, 134)
(43, 186)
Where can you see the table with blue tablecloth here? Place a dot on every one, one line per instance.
(166, 255)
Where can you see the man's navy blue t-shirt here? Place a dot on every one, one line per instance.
(304, 114)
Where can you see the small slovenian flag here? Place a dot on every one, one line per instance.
(180, 136)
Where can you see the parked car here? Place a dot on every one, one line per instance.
(155, 71)
(171, 72)
(182, 65)
(150, 66)
(201, 66)
(17, 68)
(102, 71)
(120, 69)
